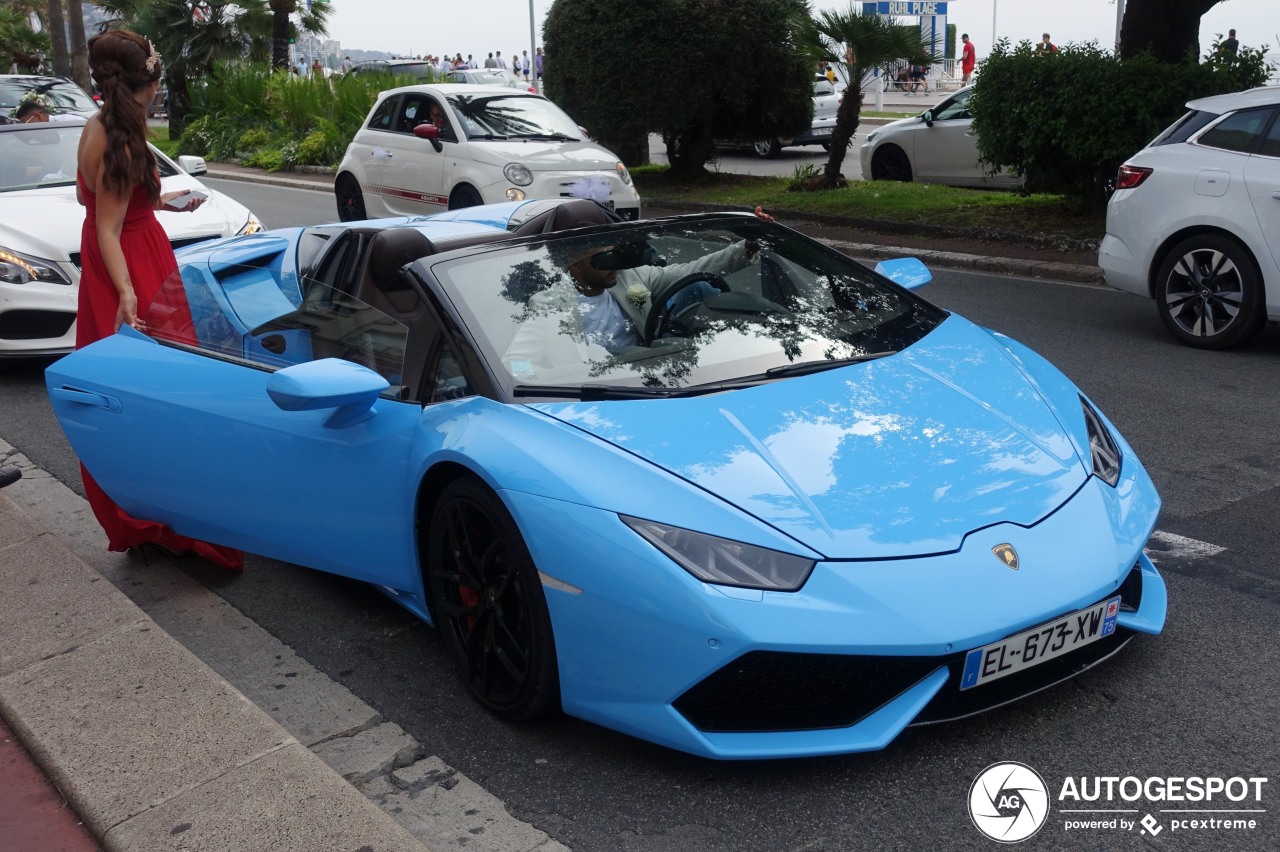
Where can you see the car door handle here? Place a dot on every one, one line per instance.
(84, 397)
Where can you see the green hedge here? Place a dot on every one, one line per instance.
(1068, 120)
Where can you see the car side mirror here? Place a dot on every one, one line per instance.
(431, 133)
(908, 272)
(193, 166)
(927, 117)
(349, 389)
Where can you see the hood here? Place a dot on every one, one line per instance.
(542, 156)
(897, 457)
(46, 222)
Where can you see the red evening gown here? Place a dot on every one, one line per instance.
(150, 260)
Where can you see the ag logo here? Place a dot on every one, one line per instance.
(1008, 802)
(1006, 554)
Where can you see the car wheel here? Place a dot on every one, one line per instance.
(826, 146)
(1209, 294)
(487, 600)
(350, 199)
(768, 148)
(891, 163)
(465, 195)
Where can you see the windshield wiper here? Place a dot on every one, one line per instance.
(486, 136)
(804, 368)
(589, 392)
(554, 137)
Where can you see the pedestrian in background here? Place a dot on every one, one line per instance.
(489, 62)
(1230, 46)
(525, 65)
(968, 59)
(1047, 46)
(125, 255)
(537, 64)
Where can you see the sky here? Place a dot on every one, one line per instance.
(413, 27)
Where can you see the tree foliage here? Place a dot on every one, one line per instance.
(1066, 121)
(22, 47)
(693, 70)
(861, 43)
(1168, 30)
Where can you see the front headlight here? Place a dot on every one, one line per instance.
(1103, 452)
(725, 562)
(252, 226)
(623, 174)
(18, 268)
(518, 174)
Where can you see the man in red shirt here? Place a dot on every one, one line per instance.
(968, 59)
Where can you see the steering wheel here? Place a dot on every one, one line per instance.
(659, 315)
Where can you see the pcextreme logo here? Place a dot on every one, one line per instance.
(1009, 802)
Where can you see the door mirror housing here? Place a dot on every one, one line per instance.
(431, 133)
(927, 117)
(348, 388)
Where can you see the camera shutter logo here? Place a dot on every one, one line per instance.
(1008, 802)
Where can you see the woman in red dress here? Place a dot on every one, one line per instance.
(125, 254)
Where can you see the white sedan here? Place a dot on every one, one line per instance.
(424, 149)
(40, 231)
(1194, 222)
(937, 146)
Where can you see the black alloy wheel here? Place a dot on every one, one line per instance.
(465, 195)
(1208, 293)
(487, 600)
(891, 163)
(350, 199)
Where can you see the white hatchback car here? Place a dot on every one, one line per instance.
(490, 144)
(1195, 220)
(937, 146)
(40, 231)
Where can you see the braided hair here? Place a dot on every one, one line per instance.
(123, 63)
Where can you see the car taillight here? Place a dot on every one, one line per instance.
(1130, 176)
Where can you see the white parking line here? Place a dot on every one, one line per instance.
(1165, 544)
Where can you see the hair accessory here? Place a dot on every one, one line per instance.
(154, 59)
(39, 99)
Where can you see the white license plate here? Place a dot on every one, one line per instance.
(1039, 644)
(822, 131)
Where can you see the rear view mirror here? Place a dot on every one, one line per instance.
(193, 166)
(431, 133)
(927, 117)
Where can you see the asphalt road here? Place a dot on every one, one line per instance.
(1200, 700)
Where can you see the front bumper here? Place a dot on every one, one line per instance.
(605, 187)
(637, 639)
(38, 319)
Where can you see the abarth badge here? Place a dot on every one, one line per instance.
(1007, 555)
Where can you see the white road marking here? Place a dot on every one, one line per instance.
(1165, 544)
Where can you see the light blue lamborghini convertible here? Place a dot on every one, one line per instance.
(701, 479)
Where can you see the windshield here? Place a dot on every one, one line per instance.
(35, 156)
(669, 307)
(64, 95)
(44, 155)
(513, 116)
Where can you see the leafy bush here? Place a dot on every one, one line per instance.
(271, 159)
(197, 138)
(253, 139)
(1067, 120)
(804, 175)
(313, 150)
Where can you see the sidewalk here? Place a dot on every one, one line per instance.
(845, 234)
(151, 747)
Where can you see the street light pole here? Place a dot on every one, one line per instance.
(533, 51)
(995, 4)
(1119, 21)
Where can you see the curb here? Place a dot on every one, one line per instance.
(1073, 272)
(152, 748)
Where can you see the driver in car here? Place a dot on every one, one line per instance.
(608, 302)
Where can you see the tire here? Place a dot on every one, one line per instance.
(890, 163)
(1209, 293)
(768, 149)
(465, 195)
(487, 600)
(350, 198)
(826, 146)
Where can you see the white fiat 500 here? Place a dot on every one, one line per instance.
(40, 231)
(424, 149)
(1195, 220)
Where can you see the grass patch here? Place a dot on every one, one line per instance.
(168, 146)
(884, 200)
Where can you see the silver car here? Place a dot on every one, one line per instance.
(826, 101)
(937, 146)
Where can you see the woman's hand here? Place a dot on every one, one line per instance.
(127, 313)
(165, 198)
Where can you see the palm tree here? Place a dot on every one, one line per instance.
(313, 21)
(21, 45)
(76, 42)
(57, 30)
(860, 43)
